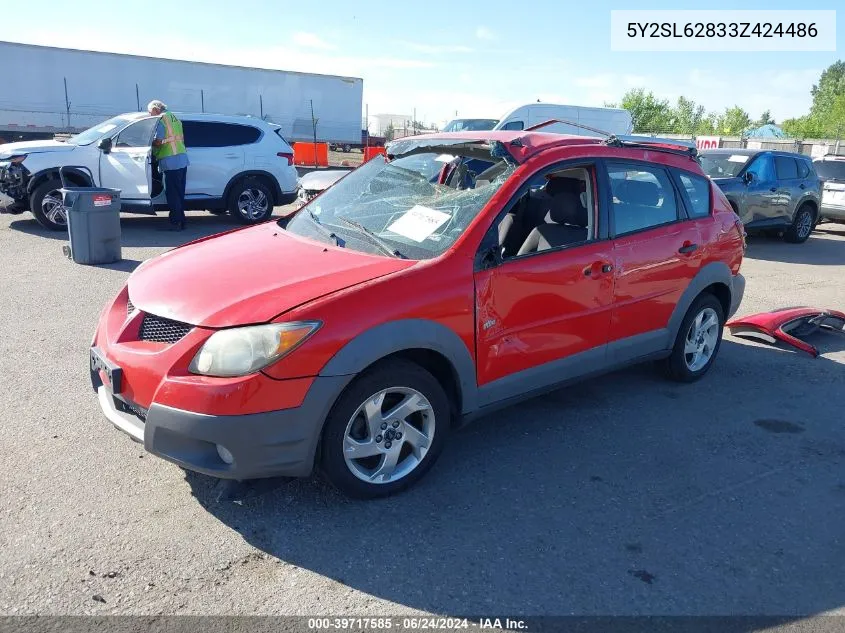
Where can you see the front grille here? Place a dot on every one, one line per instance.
(130, 407)
(161, 330)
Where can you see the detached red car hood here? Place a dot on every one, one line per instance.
(248, 276)
(788, 325)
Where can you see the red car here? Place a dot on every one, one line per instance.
(463, 273)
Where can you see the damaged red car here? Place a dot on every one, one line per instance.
(463, 273)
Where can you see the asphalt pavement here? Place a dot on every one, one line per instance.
(625, 495)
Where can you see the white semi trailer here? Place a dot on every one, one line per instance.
(46, 91)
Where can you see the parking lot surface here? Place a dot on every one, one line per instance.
(624, 495)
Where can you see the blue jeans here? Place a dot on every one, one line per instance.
(174, 191)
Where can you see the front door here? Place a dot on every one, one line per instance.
(543, 316)
(656, 251)
(127, 166)
(790, 187)
(762, 199)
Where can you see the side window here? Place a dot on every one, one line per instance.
(698, 192)
(642, 197)
(211, 134)
(786, 168)
(803, 168)
(762, 168)
(555, 209)
(138, 134)
(513, 125)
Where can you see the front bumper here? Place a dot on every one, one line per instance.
(13, 182)
(273, 444)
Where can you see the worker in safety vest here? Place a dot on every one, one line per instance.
(169, 150)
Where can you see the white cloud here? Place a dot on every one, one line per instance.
(311, 40)
(483, 33)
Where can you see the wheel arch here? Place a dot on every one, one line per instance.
(429, 344)
(714, 278)
(72, 174)
(265, 176)
(811, 202)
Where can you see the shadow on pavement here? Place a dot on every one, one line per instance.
(818, 250)
(625, 495)
(143, 231)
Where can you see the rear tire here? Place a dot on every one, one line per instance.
(47, 205)
(251, 201)
(396, 451)
(801, 226)
(698, 340)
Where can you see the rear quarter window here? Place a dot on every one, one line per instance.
(698, 192)
(213, 134)
(804, 168)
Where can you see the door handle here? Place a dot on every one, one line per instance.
(802, 186)
(230, 155)
(773, 189)
(588, 271)
(688, 248)
(606, 268)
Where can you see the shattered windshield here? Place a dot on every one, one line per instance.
(414, 206)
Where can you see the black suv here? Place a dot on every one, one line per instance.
(768, 189)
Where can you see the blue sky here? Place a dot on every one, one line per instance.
(476, 59)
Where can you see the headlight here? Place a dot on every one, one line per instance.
(245, 350)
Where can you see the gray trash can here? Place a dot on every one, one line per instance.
(93, 224)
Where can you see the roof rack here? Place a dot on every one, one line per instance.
(534, 128)
(673, 146)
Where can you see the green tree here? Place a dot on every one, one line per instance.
(389, 132)
(686, 116)
(831, 85)
(733, 122)
(765, 119)
(649, 114)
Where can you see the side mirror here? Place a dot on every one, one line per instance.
(748, 177)
(105, 145)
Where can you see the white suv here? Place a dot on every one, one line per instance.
(238, 163)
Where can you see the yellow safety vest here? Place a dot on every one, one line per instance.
(173, 142)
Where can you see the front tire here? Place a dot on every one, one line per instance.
(698, 341)
(251, 201)
(47, 205)
(385, 431)
(801, 226)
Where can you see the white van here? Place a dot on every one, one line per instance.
(611, 120)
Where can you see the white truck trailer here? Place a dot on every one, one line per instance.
(46, 91)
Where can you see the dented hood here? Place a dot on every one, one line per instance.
(249, 276)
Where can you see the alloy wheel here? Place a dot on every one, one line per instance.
(53, 207)
(805, 224)
(389, 435)
(701, 339)
(253, 204)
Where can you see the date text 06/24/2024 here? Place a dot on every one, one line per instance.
(414, 624)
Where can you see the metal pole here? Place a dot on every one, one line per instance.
(202, 99)
(314, 128)
(67, 105)
(138, 97)
(414, 122)
(261, 105)
(367, 117)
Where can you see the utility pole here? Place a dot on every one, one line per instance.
(314, 128)
(202, 100)
(261, 105)
(67, 105)
(367, 127)
(138, 97)
(414, 122)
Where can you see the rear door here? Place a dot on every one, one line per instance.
(216, 153)
(128, 165)
(657, 251)
(790, 188)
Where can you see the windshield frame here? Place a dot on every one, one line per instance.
(120, 121)
(383, 196)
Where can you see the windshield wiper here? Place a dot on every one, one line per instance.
(325, 231)
(384, 246)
